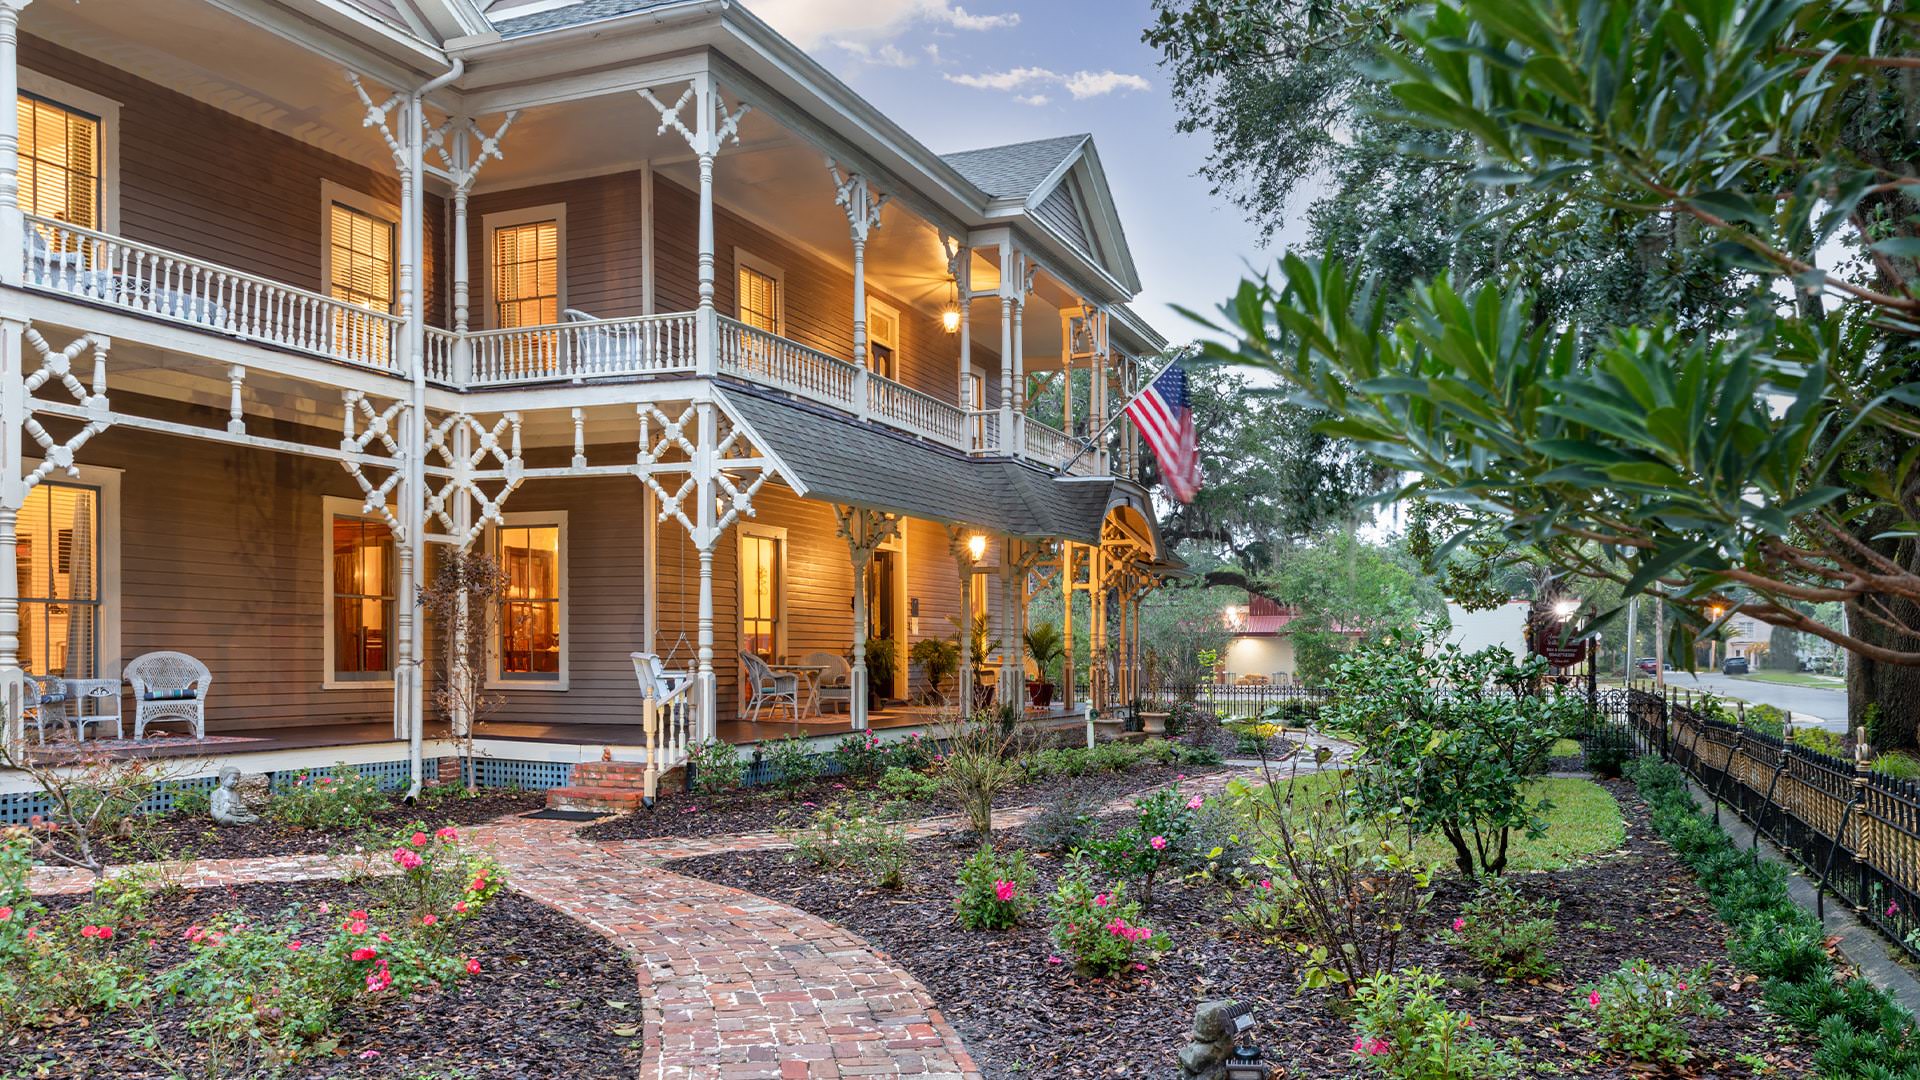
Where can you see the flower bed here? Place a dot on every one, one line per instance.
(1024, 1016)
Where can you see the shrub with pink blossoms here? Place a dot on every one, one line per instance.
(438, 872)
(996, 891)
(1098, 927)
(1403, 1029)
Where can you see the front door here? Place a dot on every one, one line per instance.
(883, 613)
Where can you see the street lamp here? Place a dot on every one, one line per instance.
(1564, 609)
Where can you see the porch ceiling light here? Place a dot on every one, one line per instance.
(977, 546)
(950, 315)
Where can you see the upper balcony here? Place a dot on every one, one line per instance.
(231, 188)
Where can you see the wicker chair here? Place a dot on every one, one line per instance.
(45, 702)
(836, 681)
(768, 688)
(169, 686)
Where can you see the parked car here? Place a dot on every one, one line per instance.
(1734, 665)
(1648, 665)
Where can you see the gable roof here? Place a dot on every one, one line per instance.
(510, 25)
(1017, 170)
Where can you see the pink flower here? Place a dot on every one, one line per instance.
(324, 780)
(473, 967)
(326, 908)
(1459, 925)
(1683, 986)
(448, 833)
(89, 931)
(378, 980)
(429, 920)
(408, 860)
(215, 937)
(1055, 960)
(460, 906)
(363, 954)
(1100, 900)
(357, 927)
(1266, 883)
(1893, 909)
(1179, 776)
(1003, 891)
(369, 1055)
(1158, 843)
(358, 914)
(5, 913)
(1359, 1045)
(1376, 1048)
(1196, 803)
(382, 935)
(296, 946)
(1139, 967)
(419, 839)
(194, 933)
(1593, 999)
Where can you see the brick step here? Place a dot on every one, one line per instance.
(612, 800)
(609, 774)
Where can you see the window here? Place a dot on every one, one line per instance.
(57, 549)
(883, 339)
(60, 162)
(760, 293)
(973, 398)
(762, 588)
(532, 635)
(360, 584)
(526, 274)
(359, 269)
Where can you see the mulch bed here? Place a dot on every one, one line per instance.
(195, 836)
(688, 816)
(543, 1004)
(1021, 1017)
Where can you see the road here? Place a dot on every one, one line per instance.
(1828, 705)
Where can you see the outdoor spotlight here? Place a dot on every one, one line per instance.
(977, 546)
(1245, 1064)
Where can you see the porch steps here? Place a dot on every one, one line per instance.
(615, 787)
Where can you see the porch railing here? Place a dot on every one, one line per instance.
(901, 406)
(147, 280)
(1051, 446)
(642, 345)
(756, 355)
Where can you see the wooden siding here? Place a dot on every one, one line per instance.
(203, 182)
(1062, 211)
(604, 254)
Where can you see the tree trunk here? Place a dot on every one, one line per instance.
(1894, 688)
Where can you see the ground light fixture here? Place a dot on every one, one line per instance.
(1244, 1063)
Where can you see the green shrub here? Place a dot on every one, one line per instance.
(1897, 765)
(1401, 1029)
(1157, 840)
(1641, 1011)
(1099, 929)
(791, 761)
(857, 836)
(63, 966)
(901, 783)
(977, 768)
(1057, 761)
(343, 802)
(717, 767)
(1820, 741)
(996, 891)
(439, 877)
(1505, 932)
(1063, 824)
(860, 754)
(1767, 720)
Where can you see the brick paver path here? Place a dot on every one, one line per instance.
(734, 985)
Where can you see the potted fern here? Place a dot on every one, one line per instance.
(1045, 646)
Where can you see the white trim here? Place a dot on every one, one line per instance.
(333, 506)
(108, 110)
(768, 532)
(506, 219)
(354, 199)
(107, 549)
(564, 679)
(744, 259)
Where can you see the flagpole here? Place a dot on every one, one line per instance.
(1116, 416)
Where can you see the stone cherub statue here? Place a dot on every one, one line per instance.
(226, 805)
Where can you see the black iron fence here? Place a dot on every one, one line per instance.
(1251, 701)
(1855, 832)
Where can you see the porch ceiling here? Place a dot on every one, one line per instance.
(831, 460)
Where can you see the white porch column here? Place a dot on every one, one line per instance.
(1008, 443)
(963, 296)
(13, 494)
(1022, 285)
(12, 226)
(707, 327)
(704, 540)
(462, 271)
(863, 206)
(865, 530)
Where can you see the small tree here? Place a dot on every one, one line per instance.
(94, 795)
(463, 599)
(1449, 740)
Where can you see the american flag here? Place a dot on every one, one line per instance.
(1163, 415)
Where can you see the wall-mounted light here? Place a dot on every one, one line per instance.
(950, 315)
(977, 546)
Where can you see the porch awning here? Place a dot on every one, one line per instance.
(824, 457)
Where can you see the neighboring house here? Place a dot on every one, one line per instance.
(1261, 650)
(710, 353)
(1504, 626)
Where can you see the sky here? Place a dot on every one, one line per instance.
(989, 72)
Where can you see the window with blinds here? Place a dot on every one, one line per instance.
(59, 162)
(526, 274)
(361, 272)
(530, 613)
(759, 299)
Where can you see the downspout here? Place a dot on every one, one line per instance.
(416, 329)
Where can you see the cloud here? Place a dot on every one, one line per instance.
(1033, 99)
(813, 22)
(1080, 84)
(887, 55)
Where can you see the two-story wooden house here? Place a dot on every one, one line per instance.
(708, 352)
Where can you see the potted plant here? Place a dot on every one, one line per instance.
(937, 658)
(983, 646)
(1045, 646)
(883, 661)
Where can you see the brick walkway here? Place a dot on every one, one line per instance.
(736, 985)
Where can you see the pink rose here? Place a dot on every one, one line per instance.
(419, 839)
(1266, 883)
(429, 920)
(5, 913)
(1139, 967)
(1100, 900)
(473, 967)
(363, 954)
(460, 906)
(1158, 843)
(1003, 891)
(1459, 925)
(448, 833)
(1055, 960)
(1196, 803)
(1593, 999)
(296, 946)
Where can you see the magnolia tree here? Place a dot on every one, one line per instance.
(1758, 470)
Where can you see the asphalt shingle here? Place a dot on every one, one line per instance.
(1015, 170)
(573, 14)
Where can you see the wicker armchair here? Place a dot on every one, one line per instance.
(169, 686)
(769, 689)
(836, 679)
(45, 702)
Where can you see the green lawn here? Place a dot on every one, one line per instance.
(1584, 821)
(1564, 748)
(1799, 678)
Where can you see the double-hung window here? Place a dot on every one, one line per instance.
(60, 162)
(360, 596)
(57, 557)
(360, 272)
(532, 636)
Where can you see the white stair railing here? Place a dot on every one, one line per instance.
(665, 726)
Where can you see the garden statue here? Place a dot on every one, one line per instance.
(1209, 1044)
(226, 805)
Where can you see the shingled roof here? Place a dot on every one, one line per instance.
(832, 460)
(1016, 170)
(584, 11)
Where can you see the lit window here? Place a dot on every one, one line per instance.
(530, 615)
(760, 588)
(974, 399)
(59, 162)
(526, 274)
(363, 596)
(57, 547)
(883, 339)
(759, 298)
(360, 269)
